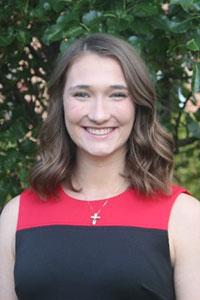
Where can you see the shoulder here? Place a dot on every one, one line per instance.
(186, 210)
(184, 232)
(10, 211)
(8, 222)
(184, 225)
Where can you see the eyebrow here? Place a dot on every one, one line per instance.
(85, 86)
(79, 86)
(119, 87)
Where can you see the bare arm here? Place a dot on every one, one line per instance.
(184, 232)
(8, 221)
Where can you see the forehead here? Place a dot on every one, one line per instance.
(92, 68)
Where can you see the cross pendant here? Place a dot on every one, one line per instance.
(94, 218)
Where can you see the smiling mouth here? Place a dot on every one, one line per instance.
(99, 131)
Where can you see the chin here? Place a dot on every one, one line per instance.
(101, 153)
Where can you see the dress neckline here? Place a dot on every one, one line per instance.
(114, 197)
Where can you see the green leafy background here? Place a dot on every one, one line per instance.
(33, 33)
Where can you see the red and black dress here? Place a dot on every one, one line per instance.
(61, 255)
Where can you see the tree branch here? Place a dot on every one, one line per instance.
(186, 141)
(176, 140)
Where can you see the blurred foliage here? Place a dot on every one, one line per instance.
(32, 33)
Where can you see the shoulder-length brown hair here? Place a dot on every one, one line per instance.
(149, 160)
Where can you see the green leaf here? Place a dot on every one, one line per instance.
(179, 27)
(61, 19)
(23, 176)
(124, 22)
(193, 45)
(69, 36)
(38, 13)
(58, 5)
(52, 34)
(47, 6)
(90, 16)
(135, 41)
(146, 9)
(140, 27)
(68, 19)
(65, 44)
(196, 5)
(5, 41)
(73, 32)
(186, 4)
(196, 78)
(7, 38)
(194, 128)
(159, 22)
(22, 37)
(109, 15)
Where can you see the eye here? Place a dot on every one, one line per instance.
(118, 95)
(81, 95)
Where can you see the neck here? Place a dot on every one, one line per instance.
(100, 177)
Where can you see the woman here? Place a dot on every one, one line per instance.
(102, 219)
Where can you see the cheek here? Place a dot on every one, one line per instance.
(73, 112)
(127, 114)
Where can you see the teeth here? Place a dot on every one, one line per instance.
(101, 131)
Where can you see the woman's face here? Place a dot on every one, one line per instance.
(99, 112)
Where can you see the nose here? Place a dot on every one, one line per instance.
(99, 111)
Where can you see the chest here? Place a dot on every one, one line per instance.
(87, 262)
